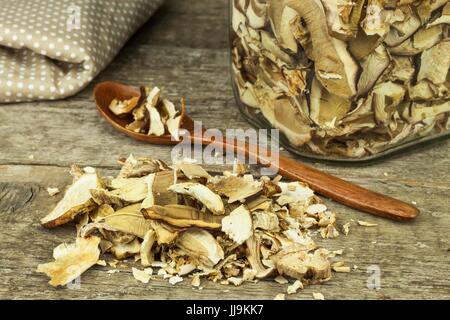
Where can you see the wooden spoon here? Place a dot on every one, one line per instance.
(327, 185)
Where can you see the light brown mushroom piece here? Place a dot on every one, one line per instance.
(373, 67)
(183, 216)
(236, 188)
(435, 63)
(202, 194)
(326, 109)
(334, 66)
(77, 200)
(238, 225)
(71, 260)
(303, 266)
(254, 257)
(201, 246)
(256, 14)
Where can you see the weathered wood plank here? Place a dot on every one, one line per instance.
(199, 24)
(413, 257)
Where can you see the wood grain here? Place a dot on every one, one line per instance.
(192, 61)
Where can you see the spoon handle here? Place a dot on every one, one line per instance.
(347, 193)
(327, 185)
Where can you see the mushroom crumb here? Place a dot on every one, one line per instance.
(346, 228)
(190, 229)
(294, 287)
(281, 280)
(340, 267)
(366, 224)
(151, 113)
(318, 296)
(175, 279)
(280, 296)
(141, 275)
(52, 191)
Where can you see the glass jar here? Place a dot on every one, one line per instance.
(345, 80)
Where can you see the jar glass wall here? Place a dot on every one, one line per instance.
(343, 80)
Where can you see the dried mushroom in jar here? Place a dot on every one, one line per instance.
(343, 78)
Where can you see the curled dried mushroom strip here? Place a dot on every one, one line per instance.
(266, 231)
(344, 78)
(150, 113)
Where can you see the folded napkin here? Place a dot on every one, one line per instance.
(51, 49)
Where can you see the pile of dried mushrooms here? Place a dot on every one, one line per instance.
(151, 113)
(348, 78)
(229, 228)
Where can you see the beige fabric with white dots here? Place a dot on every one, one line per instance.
(51, 49)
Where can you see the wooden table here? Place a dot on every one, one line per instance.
(184, 48)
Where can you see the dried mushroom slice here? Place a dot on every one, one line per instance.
(130, 190)
(104, 197)
(156, 123)
(101, 212)
(302, 265)
(266, 235)
(402, 30)
(424, 111)
(259, 203)
(423, 39)
(444, 18)
(123, 251)
(165, 234)
(128, 221)
(139, 167)
(435, 63)
(193, 171)
(254, 257)
(237, 188)
(256, 14)
(149, 200)
(71, 260)
(238, 225)
(201, 246)
(161, 193)
(120, 108)
(202, 194)
(327, 109)
(172, 118)
(282, 19)
(373, 67)
(146, 253)
(335, 67)
(292, 192)
(265, 221)
(183, 216)
(77, 200)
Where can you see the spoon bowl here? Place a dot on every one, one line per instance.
(106, 92)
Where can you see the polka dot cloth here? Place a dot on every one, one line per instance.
(51, 49)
